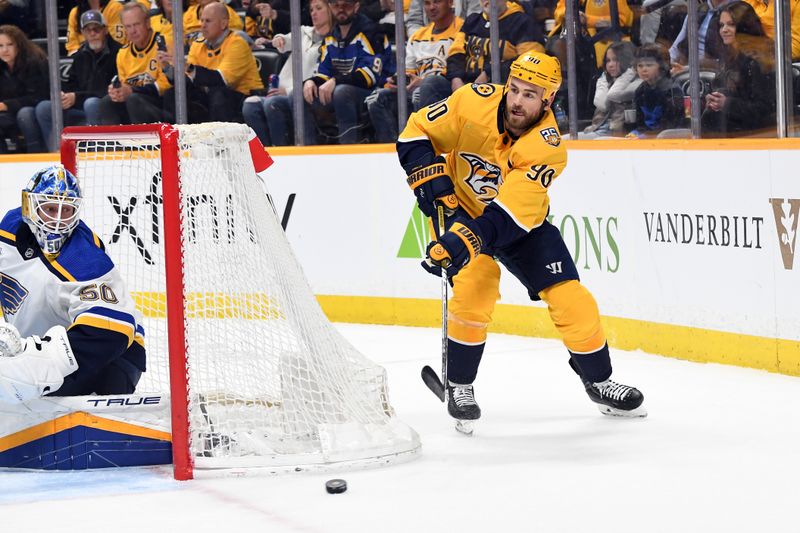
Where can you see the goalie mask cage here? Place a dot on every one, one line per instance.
(258, 378)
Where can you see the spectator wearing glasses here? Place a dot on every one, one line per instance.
(112, 12)
(93, 67)
(350, 68)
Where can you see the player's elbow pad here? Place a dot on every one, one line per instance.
(39, 369)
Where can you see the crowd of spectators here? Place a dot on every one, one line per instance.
(119, 59)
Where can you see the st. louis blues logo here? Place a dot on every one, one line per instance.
(551, 136)
(484, 178)
(12, 294)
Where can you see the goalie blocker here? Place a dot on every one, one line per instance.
(39, 368)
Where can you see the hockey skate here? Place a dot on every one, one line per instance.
(616, 399)
(612, 398)
(462, 406)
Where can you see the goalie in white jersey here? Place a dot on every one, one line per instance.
(71, 326)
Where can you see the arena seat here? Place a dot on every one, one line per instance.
(269, 61)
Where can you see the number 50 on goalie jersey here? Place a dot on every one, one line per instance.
(79, 289)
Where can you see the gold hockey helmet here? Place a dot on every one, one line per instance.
(539, 69)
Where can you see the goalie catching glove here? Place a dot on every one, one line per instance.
(431, 183)
(10, 340)
(460, 245)
(40, 368)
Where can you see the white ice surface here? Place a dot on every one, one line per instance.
(718, 453)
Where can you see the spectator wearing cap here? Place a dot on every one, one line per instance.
(350, 67)
(139, 97)
(111, 10)
(93, 67)
(221, 68)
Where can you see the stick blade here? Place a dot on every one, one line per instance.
(432, 381)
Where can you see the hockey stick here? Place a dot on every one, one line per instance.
(429, 377)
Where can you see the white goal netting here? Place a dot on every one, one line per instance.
(270, 381)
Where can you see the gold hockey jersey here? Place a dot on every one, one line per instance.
(486, 163)
(139, 67)
(112, 12)
(233, 60)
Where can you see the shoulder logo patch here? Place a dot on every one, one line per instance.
(551, 136)
(483, 89)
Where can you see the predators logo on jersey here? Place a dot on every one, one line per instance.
(484, 177)
(551, 136)
(140, 80)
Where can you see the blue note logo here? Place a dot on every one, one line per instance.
(13, 294)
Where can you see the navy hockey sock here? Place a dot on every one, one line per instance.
(593, 367)
(463, 361)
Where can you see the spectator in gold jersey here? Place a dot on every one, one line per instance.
(135, 96)
(192, 19)
(221, 68)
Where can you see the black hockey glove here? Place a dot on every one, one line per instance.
(431, 183)
(453, 250)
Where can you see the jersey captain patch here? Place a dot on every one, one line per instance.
(12, 295)
(484, 177)
(551, 136)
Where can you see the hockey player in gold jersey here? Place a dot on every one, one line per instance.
(502, 151)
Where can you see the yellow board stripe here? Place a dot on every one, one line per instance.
(79, 418)
(680, 342)
(253, 306)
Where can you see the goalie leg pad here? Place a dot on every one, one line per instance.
(40, 367)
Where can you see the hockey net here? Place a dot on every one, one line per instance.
(257, 374)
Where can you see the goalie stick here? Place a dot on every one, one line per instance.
(429, 377)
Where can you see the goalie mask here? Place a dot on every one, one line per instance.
(51, 205)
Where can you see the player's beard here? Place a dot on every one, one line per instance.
(522, 124)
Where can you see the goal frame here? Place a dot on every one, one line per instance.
(167, 137)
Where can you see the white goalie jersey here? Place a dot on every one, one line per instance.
(79, 289)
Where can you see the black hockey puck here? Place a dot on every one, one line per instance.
(335, 486)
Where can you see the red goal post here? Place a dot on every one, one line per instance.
(258, 378)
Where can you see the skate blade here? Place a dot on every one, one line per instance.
(639, 412)
(465, 427)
